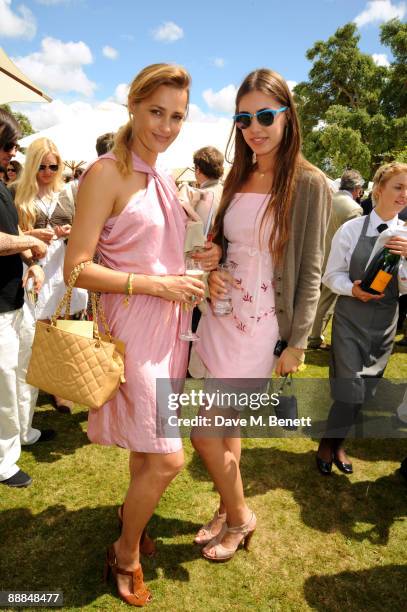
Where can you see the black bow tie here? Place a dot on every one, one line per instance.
(383, 226)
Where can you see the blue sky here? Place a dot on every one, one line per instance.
(83, 52)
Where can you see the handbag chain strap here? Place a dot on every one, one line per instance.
(289, 381)
(65, 303)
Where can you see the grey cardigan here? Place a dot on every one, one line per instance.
(297, 279)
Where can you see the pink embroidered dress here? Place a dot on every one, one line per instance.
(241, 344)
(146, 238)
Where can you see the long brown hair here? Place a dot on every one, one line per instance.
(142, 87)
(288, 160)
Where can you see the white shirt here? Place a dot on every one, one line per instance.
(336, 276)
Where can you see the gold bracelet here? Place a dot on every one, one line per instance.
(129, 288)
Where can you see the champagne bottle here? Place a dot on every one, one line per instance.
(380, 271)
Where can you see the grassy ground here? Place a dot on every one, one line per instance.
(327, 544)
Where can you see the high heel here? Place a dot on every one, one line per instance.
(210, 530)
(346, 468)
(222, 553)
(147, 544)
(140, 594)
(325, 467)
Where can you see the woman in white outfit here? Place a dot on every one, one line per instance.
(46, 211)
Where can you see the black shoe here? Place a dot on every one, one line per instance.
(20, 479)
(46, 435)
(346, 468)
(325, 467)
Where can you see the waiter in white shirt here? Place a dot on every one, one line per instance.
(364, 325)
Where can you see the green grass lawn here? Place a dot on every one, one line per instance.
(326, 544)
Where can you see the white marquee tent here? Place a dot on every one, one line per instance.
(75, 139)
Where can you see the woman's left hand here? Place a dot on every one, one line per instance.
(290, 361)
(37, 274)
(210, 257)
(397, 245)
(62, 231)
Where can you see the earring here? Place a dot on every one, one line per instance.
(254, 158)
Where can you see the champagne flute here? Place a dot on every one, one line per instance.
(193, 268)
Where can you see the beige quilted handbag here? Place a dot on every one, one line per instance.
(85, 370)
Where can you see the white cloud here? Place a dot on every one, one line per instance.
(291, 85)
(58, 66)
(195, 113)
(222, 100)
(380, 11)
(43, 116)
(13, 25)
(120, 94)
(219, 62)
(380, 59)
(168, 32)
(110, 52)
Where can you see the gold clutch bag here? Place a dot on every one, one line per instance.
(71, 365)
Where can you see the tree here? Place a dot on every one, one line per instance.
(23, 120)
(353, 112)
(394, 35)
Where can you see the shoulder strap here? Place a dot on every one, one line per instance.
(365, 226)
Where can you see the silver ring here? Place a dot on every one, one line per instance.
(192, 298)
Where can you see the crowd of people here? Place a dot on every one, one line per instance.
(275, 230)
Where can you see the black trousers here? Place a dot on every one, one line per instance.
(340, 420)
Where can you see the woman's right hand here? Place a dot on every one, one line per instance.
(217, 283)
(184, 289)
(363, 296)
(42, 233)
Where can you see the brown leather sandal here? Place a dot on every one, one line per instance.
(147, 544)
(140, 595)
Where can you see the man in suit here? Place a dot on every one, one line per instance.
(344, 208)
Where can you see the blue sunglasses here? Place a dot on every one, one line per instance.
(265, 117)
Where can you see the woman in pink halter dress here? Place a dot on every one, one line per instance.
(129, 214)
(146, 238)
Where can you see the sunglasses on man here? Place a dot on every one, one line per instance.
(52, 167)
(265, 117)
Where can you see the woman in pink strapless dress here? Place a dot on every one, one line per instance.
(273, 215)
(128, 212)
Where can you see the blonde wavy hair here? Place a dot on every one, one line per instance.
(27, 186)
(383, 174)
(141, 88)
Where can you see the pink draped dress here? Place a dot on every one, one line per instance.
(146, 238)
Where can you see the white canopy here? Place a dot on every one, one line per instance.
(15, 86)
(193, 136)
(75, 139)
